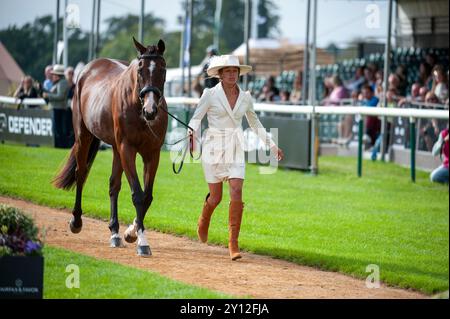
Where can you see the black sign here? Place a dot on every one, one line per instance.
(28, 126)
(291, 134)
(21, 277)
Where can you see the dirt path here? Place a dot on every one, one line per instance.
(203, 265)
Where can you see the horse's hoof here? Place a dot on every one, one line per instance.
(75, 227)
(129, 238)
(144, 251)
(116, 242)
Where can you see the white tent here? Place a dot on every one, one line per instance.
(10, 72)
(173, 79)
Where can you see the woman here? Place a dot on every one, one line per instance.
(26, 90)
(338, 93)
(441, 147)
(223, 150)
(296, 94)
(439, 91)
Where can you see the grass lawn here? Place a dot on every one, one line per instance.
(335, 221)
(105, 279)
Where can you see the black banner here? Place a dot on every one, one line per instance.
(27, 126)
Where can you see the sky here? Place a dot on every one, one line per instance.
(339, 21)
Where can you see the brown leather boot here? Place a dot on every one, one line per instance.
(203, 221)
(235, 218)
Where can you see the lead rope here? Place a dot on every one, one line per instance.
(189, 145)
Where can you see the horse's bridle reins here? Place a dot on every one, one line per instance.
(150, 88)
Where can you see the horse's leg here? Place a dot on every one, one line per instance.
(150, 167)
(82, 146)
(115, 183)
(135, 231)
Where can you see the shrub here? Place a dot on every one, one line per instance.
(18, 234)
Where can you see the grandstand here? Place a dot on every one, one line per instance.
(409, 57)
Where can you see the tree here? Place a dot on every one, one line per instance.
(32, 45)
(117, 42)
(232, 24)
(268, 23)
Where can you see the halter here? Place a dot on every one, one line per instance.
(149, 88)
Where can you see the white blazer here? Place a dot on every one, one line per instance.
(221, 117)
(223, 148)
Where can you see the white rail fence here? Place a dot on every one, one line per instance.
(361, 111)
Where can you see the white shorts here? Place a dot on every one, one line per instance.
(223, 156)
(216, 173)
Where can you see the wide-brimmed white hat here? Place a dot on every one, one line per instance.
(58, 69)
(223, 61)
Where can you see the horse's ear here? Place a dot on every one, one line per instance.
(161, 46)
(139, 46)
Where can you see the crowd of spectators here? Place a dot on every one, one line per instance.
(365, 88)
(57, 88)
(429, 89)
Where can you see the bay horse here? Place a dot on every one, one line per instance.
(118, 103)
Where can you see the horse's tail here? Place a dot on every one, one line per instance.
(66, 178)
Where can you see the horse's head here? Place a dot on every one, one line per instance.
(151, 75)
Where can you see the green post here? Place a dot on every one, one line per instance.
(360, 143)
(412, 144)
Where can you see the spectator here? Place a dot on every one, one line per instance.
(402, 77)
(373, 124)
(70, 82)
(379, 91)
(428, 134)
(423, 93)
(358, 80)
(368, 97)
(394, 83)
(439, 91)
(379, 78)
(26, 90)
(285, 97)
(57, 96)
(391, 102)
(413, 97)
(355, 96)
(369, 75)
(296, 94)
(425, 76)
(328, 87)
(338, 93)
(57, 99)
(47, 85)
(208, 82)
(441, 147)
(270, 92)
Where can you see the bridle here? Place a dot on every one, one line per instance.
(150, 88)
